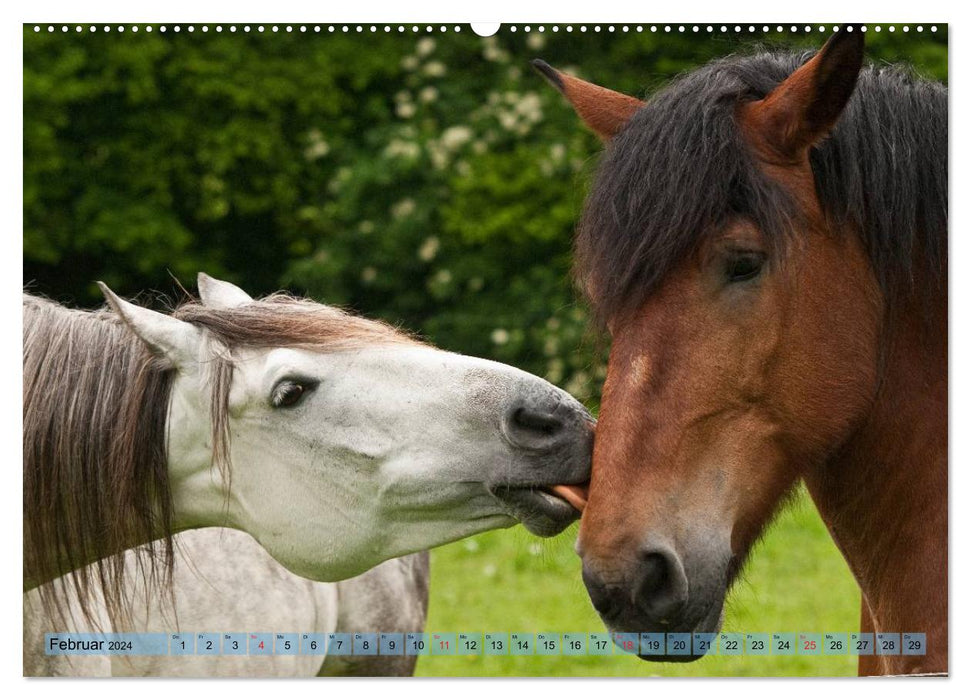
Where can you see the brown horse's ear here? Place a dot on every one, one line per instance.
(803, 109)
(604, 111)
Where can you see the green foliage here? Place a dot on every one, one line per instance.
(431, 180)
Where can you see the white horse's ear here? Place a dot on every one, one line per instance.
(220, 295)
(166, 336)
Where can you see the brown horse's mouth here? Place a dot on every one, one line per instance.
(543, 510)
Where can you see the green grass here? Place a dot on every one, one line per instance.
(509, 581)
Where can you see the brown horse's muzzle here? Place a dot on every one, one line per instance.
(654, 591)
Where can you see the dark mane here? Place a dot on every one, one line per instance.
(680, 169)
(96, 405)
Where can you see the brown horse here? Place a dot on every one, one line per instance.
(766, 242)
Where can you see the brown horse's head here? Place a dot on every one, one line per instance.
(745, 323)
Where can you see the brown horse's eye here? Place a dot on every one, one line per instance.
(745, 266)
(289, 393)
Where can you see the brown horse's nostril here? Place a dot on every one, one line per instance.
(660, 587)
(604, 600)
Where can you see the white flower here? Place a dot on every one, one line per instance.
(425, 46)
(438, 154)
(428, 94)
(531, 107)
(500, 336)
(317, 149)
(558, 152)
(536, 41)
(508, 120)
(366, 227)
(455, 137)
(409, 62)
(316, 146)
(340, 177)
(405, 110)
(403, 209)
(535, 548)
(442, 277)
(435, 69)
(492, 52)
(397, 148)
(429, 249)
(368, 275)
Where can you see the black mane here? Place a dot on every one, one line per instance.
(680, 169)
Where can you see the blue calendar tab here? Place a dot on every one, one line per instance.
(626, 642)
(416, 644)
(443, 644)
(783, 643)
(652, 643)
(339, 644)
(834, 643)
(207, 644)
(180, 644)
(286, 644)
(365, 644)
(234, 644)
(496, 643)
(574, 644)
(861, 643)
(106, 644)
(547, 644)
(810, 643)
(704, 643)
(913, 644)
(313, 644)
(758, 644)
(888, 644)
(679, 643)
(260, 644)
(600, 644)
(391, 644)
(731, 643)
(469, 643)
(521, 643)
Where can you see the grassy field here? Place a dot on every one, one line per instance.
(508, 581)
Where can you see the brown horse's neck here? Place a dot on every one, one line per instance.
(884, 496)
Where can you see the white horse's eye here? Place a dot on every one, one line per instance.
(289, 392)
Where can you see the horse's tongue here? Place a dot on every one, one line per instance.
(574, 494)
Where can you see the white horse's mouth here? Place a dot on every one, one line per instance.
(543, 510)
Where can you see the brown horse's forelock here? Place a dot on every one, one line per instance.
(95, 407)
(680, 170)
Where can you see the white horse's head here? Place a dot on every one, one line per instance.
(347, 442)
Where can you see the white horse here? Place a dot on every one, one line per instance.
(224, 581)
(341, 443)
